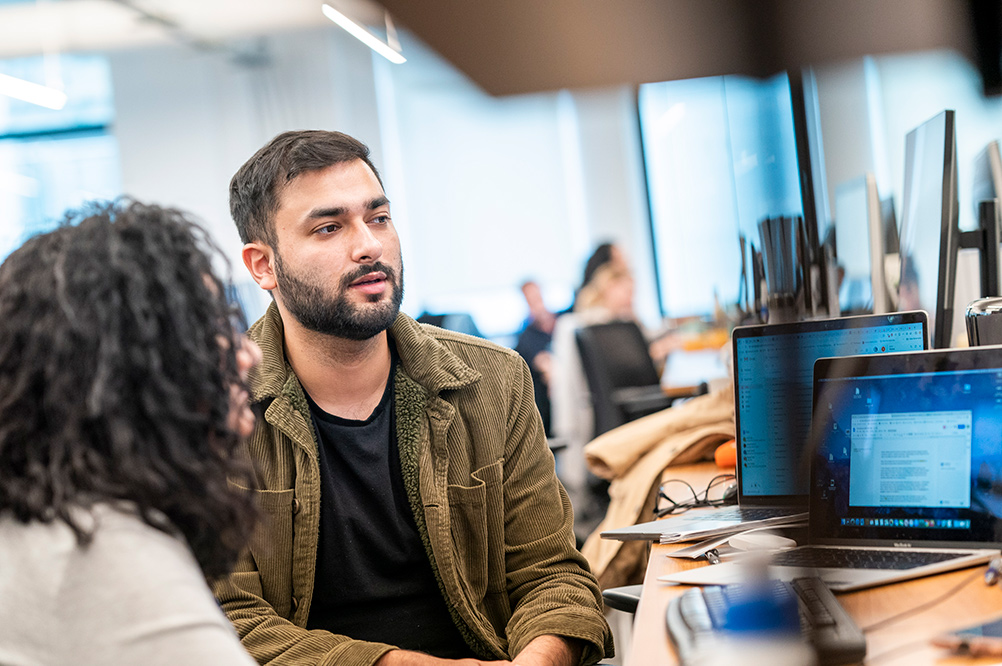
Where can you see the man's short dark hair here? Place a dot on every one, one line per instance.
(257, 185)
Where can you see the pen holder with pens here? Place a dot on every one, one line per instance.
(786, 263)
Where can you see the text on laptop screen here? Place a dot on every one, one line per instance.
(919, 459)
(775, 374)
(920, 454)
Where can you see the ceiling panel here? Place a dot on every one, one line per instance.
(519, 46)
(87, 25)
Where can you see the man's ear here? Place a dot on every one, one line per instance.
(259, 259)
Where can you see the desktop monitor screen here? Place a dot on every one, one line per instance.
(987, 174)
(929, 232)
(890, 221)
(987, 193)
(859, 244)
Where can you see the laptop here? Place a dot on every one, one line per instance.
(906, 471)
(772, 370)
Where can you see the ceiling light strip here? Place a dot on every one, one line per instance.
(362, 35)
(33, 93)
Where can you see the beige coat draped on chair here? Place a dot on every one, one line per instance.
(634, 457)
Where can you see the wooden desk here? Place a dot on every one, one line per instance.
(903, 643)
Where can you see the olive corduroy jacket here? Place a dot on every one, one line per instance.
(494, 520)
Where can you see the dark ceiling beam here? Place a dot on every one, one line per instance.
(521, 46)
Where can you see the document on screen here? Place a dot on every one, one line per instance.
(919, 459)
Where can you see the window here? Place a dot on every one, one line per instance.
(54, 160)
(720, 156)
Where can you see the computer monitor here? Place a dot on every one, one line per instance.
(890, 220)
(930, 235)
(986, 192)
(987, 175)
(859, 245)
(892, 256)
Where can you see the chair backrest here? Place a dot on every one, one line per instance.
(460, 322)
(614, 356)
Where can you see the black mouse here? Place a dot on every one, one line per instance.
(730, 495)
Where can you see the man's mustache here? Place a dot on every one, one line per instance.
(362, 271)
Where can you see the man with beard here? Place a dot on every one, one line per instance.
(412, 514)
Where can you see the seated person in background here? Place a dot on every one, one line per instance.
(119, 417)
(606, 253)
(533, 345)
(411, 496)
(606, 296)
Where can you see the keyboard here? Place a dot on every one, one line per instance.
(854, 558)
(697, 616)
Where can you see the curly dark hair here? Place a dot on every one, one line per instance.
(116, 362)
(256, 186)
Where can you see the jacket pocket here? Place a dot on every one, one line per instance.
(271, 547)
(248, 581)
(477, 522)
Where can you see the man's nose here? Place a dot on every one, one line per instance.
(365, 246)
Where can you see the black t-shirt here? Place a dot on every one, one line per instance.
(373, 579)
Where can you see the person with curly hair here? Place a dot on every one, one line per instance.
(121, 408)
(413, 512)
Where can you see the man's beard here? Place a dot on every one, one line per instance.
(335, 315)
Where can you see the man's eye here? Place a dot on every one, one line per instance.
(382, 219)
(327, 229)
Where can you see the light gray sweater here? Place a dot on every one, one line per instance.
(135, 595)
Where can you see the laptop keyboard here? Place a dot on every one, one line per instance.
(847, 558)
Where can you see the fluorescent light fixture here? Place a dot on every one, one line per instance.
(34, 93)
(362, 34)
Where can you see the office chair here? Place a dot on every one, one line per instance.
(621, 376)
(625, 598)
(461, 322)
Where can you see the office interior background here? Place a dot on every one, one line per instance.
(166, 101)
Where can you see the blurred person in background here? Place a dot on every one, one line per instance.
(605, 295)
(122, 406)
(533, 345)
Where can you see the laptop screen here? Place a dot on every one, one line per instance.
(908, 447)
(773, 370)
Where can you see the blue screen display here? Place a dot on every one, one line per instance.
(774, 374)
(911, 456)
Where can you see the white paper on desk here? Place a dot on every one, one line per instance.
(718, 543)
(715, 574)
(694, 526)
(700, 549)
(726, 574)
(720, 529)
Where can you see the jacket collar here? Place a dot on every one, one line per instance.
(423, 358)
(426, 360)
